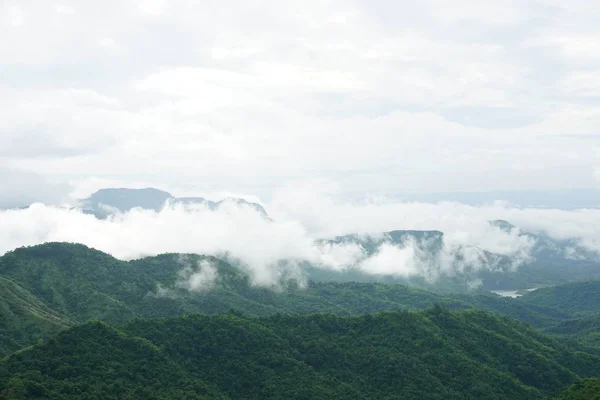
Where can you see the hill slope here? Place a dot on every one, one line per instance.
(97, 361)
(587, 389)
(24, 318)
(432, 354)
(579, 299)
(585, 330)
(82, 284)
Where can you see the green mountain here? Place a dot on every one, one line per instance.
(585, 330)
(265, 349)
(76, 281)
(578, 299)
(79, 284)
(96, 361)
(551, 261)
(432, 354)
(24, 318)
(586, 389)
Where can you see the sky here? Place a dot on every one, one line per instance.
(377, 98)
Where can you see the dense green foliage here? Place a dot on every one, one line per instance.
(578, 299)
(261, 350)
(95, 361)
(24, 318)
(586, 389)
(585, 330)
(80, 284)
(432, 354)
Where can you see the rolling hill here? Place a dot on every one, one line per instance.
(78, 284)
(578, 299)
(24, 318)
(432, 354)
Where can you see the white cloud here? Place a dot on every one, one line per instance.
(21, 188)
(223, 53)
(200, 278)
(381, 97)
(106, 42)
(358, 100)
(241, 234)
(58, 122)
(585, 84)
(15, 15)
(151, 7)
(496, 12)
(390, 259)
(577, 48)
(64, 9)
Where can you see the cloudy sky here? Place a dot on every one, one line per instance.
(377, 98)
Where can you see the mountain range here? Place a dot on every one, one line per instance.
(548, 261)
(56, 285)
(78, 323)
(296, 339)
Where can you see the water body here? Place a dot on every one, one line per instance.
(512, 293)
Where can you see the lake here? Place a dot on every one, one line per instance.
(512, 293)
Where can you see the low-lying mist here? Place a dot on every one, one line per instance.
(298, 222)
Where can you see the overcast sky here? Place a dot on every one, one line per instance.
(375, 97)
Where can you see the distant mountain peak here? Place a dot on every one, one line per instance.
(503, 225)
(107, 201)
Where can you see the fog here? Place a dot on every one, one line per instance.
(299, 219)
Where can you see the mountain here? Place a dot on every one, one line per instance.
(432, 354)
(80, 284)
(228, 338)
(578, 299)
(586, 389)
(585, 330)
(429, 251)
(214, 205)
(552, 262)
(76, 281)
(581, 300)
(549, 261)
(24, 318)
(96, 361)
(106, 202)
(125, 199)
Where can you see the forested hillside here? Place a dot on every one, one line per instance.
(24, 318)
(260, 337)
(585, 330)
(75, 284)
(433, 354)
(587, 389)
(96, 361)
(578, 299)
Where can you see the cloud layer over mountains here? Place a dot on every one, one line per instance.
(299, 219)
